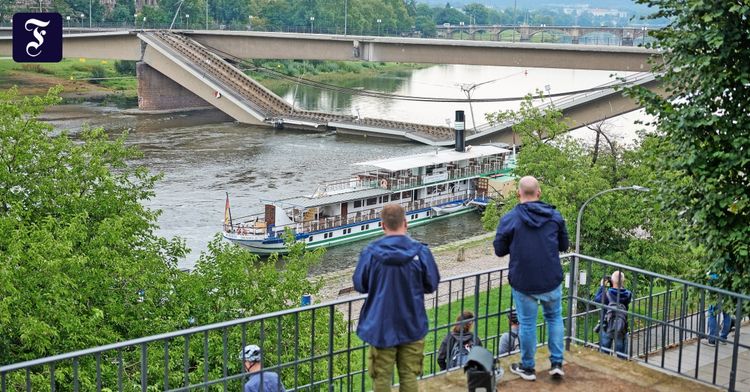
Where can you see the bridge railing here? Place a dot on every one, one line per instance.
(563, 102)
(316, 347)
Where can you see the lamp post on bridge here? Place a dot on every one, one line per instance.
(90, 14)
(379, 21)
(82, 16)
(312, 24)
(573, 303)
(187, 21)
(543, 27)
(461, 24)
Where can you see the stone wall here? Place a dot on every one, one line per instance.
(158, 92)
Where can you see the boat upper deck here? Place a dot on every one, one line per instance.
(437, 158)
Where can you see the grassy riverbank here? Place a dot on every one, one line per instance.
(114, 82)
(340, 73)
(82, 79)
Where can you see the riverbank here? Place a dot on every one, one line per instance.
(478, 255)
(340, 73)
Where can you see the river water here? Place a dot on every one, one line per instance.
(204, 154)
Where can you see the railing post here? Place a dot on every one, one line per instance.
(331, 314)
(572, 291)
(735, 344)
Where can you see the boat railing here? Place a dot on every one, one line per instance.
(364, 216)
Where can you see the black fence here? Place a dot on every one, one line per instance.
(315, 348)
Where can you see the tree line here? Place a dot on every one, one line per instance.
(330, 16)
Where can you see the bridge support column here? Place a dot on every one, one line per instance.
(525, 33)
(158, 92)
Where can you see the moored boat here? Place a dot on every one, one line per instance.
(429, 186)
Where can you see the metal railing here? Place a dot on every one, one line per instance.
(315, 348)
(665, 324)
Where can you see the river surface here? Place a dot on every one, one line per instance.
(204, 154)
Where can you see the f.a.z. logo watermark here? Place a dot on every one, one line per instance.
(37, 37)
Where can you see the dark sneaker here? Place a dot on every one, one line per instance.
(526, 374)
(556, 371)
(709, 343)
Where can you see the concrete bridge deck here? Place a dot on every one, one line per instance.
(202, 71)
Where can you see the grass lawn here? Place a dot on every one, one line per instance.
(73, 74)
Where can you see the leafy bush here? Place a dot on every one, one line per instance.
(97, 74)
(125, 67)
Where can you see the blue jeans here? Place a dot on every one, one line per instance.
(621, 344)
(713, 323)
(527, 308)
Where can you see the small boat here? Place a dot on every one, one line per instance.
(449, 208)
(429, 186)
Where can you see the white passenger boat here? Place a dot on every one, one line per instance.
(429, 186)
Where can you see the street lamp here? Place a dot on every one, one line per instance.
(346, 14)
(143, 26)
(543, 26)
(312, 24)
(82, 16)
(573, 304)
(90, 14)
(187, 21)
(461, 29)
(68, 19)
(379, 21)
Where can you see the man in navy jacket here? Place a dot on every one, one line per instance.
(534, 233)
(395, 272)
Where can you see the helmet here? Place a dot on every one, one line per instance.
(512, 317)
(250, 353)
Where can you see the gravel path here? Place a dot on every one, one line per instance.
(478, 256)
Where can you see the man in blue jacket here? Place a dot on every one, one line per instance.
(395, 272)
(534, 233)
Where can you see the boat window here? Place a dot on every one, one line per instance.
(357, 203)
(362, 228)
(395, 196)
(379, 224)
(406, 195)
(372, 201)
(428, 213)
(310, 238)
(384, 199)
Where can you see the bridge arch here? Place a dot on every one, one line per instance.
(508, 34)
(600, 38)
(551, 35)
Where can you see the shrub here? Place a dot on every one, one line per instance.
(97, 73)
(125, 67)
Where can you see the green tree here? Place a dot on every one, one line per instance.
(619, 226)
(81, 266)
(76, 246)
(704, 130)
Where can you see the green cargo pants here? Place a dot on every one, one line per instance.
(407, 357)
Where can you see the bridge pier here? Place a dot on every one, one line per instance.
(158, 92)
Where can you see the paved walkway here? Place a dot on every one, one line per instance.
(699, 360)
(585, 371)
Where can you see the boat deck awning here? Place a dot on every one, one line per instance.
(434, 158)
(307, 201)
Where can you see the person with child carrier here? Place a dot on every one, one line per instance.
(613, 323)
(455, 348)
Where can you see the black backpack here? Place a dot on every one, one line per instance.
(616, 320)
(459, 353)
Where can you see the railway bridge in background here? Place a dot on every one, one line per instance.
(626, 36)
(184, 69)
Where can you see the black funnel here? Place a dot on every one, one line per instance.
(460, 126)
